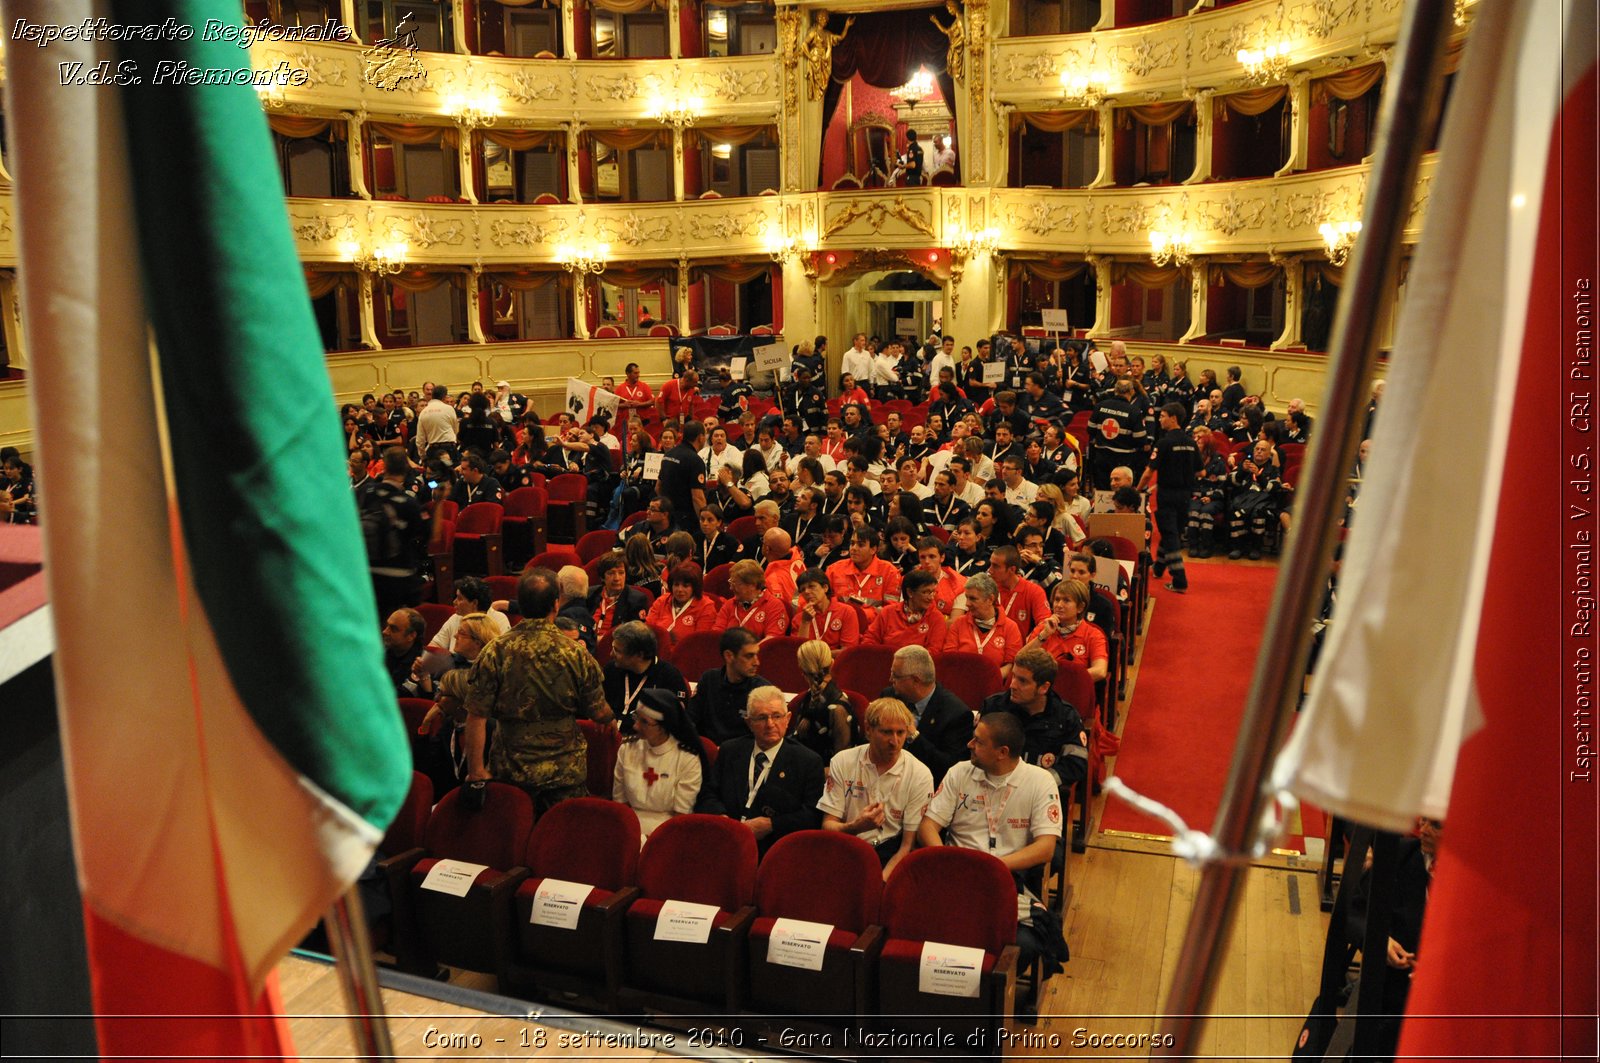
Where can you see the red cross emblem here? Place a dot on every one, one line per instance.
(650, 777)
(1110, 428)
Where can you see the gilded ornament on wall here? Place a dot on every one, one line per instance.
(818, 47)
(955, 55)
(877, 212)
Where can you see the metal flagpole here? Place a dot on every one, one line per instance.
(1410, 114)
(346, 923)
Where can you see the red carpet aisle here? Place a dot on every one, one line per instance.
(1193, 679)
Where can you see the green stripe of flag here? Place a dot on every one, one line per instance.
(268, 519)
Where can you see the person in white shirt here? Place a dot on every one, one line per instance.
(812, 449)
(885, 371)
(437, 422)
(944, 359)
(1019, 492)
(996, 803)
(719, 454)
(967, 489)
(661, 763)
(472, 596)
(857, 361)
(878, 791)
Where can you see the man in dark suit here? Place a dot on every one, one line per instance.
(944, 722)
(770, 785)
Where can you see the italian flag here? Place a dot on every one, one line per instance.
(233, 747)
(1455, 680)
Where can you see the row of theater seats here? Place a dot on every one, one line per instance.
(629, 946)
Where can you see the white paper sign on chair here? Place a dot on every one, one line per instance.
(559, 904)
(797, 943)
(685, 921)
(454, 877)
(950, 970)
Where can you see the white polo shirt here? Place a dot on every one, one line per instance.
(998, 815)
(1024, 493)
(854, 782)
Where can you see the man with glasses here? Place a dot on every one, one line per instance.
(770, 785)
(943, 723)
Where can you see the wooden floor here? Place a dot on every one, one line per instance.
(1126, 917)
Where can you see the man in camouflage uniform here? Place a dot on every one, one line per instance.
(534, 682)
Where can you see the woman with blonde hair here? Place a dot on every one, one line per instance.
(823, 721)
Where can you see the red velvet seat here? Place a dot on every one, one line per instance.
(786, 888)
(700, 859)
(502, 587)
(568, 498)
(401, 848)
(557, 559)
(473, 931)
(1139, 587)
(525, 524)
(778, 663)
(972, 677)
(608, 332)
(478, 542)
(716, 582)
(597, 544)
(442, 554)
(1074, 685)
(697, 654)
(742, 528)
(952, 897)
(433, 617)
(593, 841)
(863, 668)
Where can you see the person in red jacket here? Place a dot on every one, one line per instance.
(983, 628)
(820, 618)
(863, 578)
(1066, 634)
(684, 609)
(913, 621)
(751, 607)
(1022, 600)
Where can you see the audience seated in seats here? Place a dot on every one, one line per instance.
(661, 762)
(402, 645)
(1021, 600)
(963, 813)
(782, 564)
(863, 578)
(683, 610)
(444, 727)
(877, 791)
(614, 603)
(967, 554)
(475, 484)
(982, 628)
(644, 570)
(943, 723)
(751, 607)
(1102, 609)
(472, 596)
(912, 621)
(823, 720)
(1255, 502)
(769, 784)
(1055, 737)
(819, 617)
(1065, 634)
(635, 667)
(714, 546)
(574, 603)
(948, 596)
(721, 695)
(828, 545)
(1035, 566)
(656, 527)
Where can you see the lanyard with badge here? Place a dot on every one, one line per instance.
(756, 781)
(996, 821)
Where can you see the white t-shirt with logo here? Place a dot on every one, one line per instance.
(998, 814)
(854, 782)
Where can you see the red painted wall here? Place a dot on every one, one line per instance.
(1244, 146)
(1225, 308)
(863, 99)
(697, 308)
(1357, 145)
(1125, 299)
(689, 31)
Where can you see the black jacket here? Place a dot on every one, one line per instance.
(942, 733)
(788, 797)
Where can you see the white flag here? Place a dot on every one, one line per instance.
(586, 401)
(1393, 696)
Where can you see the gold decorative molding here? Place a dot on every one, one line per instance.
(877, 212)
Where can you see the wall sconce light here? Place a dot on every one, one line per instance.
(381, 259)
(1170, 247)
(1085, 84)
(1339, 236)
(678, 112)
(1270, 62)
(270, 94)
(971, 242)
(474, 112)
(591, 259)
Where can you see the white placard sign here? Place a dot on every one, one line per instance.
(771, 358)
(1099, 360)
(950, 970)
(584, 401)
(994, 372)
(652, 466)
(454, 877)
(736, 367)
(685, 921)
(905, 326)
(1054, 320)
(1105, 573)
(559, 904)
(797, 943)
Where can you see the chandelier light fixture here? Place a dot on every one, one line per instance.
(971, 242)
(1084, 83)
(381, 259)
(916, 89)
(1339, 236)
(1170, 247)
